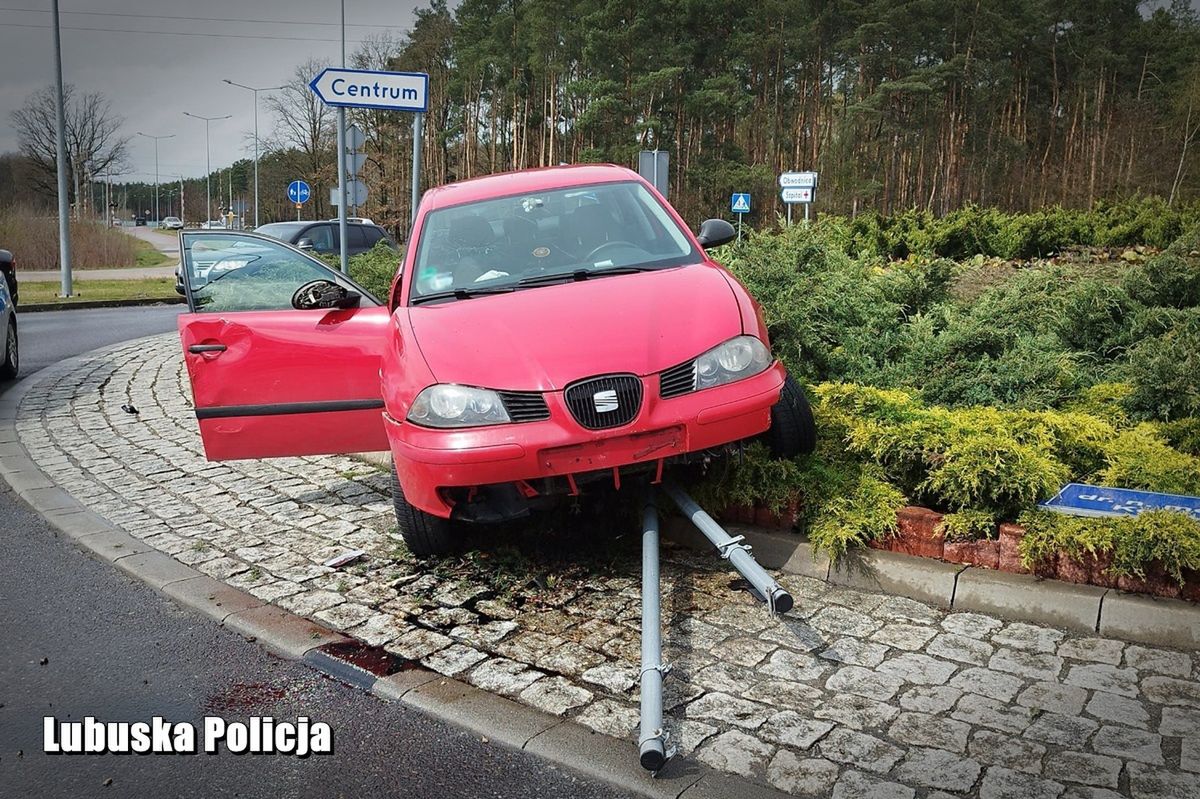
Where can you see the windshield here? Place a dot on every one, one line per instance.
(529, 239)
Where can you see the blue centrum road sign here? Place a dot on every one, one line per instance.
(739, 203)
(361, 88)
(1078, 499)
(298, 191)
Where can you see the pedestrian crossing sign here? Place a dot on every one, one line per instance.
(739, 203)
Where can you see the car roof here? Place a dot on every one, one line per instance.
(527, 180)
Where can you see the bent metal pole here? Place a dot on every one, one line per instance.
(651, 740)
(732, 549)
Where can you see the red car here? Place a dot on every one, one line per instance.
(548, 331)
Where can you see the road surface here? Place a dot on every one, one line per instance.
(82, 639)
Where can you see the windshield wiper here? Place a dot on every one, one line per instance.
(462, 293)
(581, 274)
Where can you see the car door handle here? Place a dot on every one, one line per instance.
(201, 348)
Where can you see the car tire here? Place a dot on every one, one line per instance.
(793, 431)
(12, 358)
(424, 534)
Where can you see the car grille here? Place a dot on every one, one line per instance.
(677, 380)
(525, 406)
(600, 403)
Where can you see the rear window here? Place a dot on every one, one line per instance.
(284, 231)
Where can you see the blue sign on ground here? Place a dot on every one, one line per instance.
(1078, 499)
(361, 88)
(298, 191)
(739, 203)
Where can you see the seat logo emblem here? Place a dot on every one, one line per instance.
(605, 401)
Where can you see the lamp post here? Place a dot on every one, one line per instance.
(256, 91)
(64, 233)
(207, 159)
(157, 215)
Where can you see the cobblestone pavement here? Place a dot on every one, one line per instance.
(850, 694)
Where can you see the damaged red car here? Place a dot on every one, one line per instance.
(549, 332)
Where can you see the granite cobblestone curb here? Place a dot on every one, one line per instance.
(852, 693)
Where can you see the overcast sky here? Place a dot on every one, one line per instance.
(153, 75)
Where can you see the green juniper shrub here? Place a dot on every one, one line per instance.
(1182, 434)
(1103, 400)
(1165, 372)
(1094, 318)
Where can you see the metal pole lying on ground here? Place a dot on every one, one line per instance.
(732, 549)
(652, 740)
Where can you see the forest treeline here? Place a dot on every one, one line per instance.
(927, 104)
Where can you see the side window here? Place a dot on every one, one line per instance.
(371, 236)
(227, 272)
(355, 237)
(321, 237)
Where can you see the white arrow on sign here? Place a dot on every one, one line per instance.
(793, 196)
(798, 180)
(360, 88)
(356, 193)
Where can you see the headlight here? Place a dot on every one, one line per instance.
(457, 406)
(736, 359)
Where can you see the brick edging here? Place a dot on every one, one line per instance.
(563, 742)
(1021, 597)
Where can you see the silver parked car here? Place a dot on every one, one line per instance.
(11, 360)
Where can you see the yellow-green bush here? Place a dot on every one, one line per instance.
(968, 525)
(1169, 539)
(1141, 458)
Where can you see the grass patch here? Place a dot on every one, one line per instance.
(149, 255)
(156, 288)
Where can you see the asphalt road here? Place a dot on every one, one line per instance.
(81, 639)
(49, 336)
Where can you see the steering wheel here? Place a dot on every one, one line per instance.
(318, 294)
(591, 256)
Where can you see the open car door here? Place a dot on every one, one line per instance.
(282, 351)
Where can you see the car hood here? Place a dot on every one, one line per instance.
(541, 339)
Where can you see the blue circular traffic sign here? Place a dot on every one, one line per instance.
(298, 191)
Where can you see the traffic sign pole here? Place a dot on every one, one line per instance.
(341, 145)
(418, 125)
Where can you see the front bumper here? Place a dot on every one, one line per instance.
(428, 461)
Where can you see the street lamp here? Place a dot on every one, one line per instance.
(207, 159)
(256, 91)
(157, 215)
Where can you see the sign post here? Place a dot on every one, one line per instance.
(739, 203)
(798, 188)
(654, 166)
(298, 192)
(359, 88)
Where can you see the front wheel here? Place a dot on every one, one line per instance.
(12, 359)
(425, 535)
(793, 431)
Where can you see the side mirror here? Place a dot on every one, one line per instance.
(715, 232)
(304, 244)
(324, 294)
